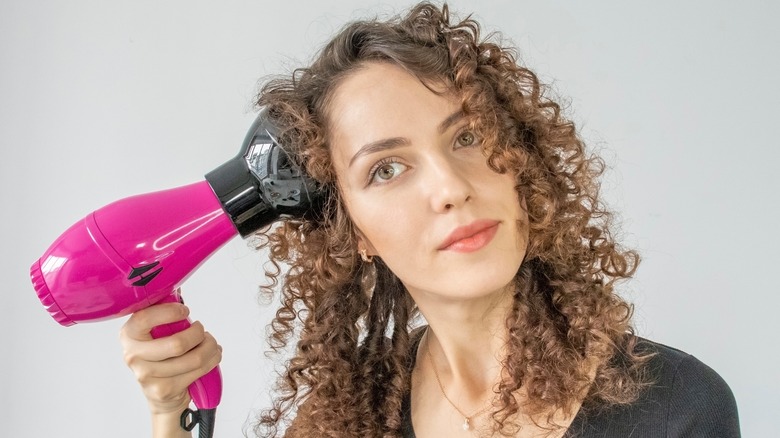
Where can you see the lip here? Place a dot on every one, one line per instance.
(471, 237)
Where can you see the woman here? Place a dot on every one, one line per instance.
(459, 193)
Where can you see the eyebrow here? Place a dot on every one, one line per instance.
(451, 120)
(396, 142)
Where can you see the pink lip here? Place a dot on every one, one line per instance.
(470, 237)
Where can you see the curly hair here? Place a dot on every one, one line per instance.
(347, 377)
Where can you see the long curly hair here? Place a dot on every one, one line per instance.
(350, 370)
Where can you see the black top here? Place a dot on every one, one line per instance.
(688, 399)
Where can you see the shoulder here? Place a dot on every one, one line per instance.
(696, 397)
(685, 398)
(681, 373)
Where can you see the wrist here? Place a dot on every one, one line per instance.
(168, 424)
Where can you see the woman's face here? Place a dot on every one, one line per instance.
(417, 186)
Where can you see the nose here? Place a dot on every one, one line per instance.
(447, 184)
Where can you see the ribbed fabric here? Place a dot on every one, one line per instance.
(688, 400)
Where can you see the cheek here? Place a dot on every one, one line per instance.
(500, 188)
(514, 205)
(386, 225)
(397, 232)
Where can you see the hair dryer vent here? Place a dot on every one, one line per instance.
(45, 295)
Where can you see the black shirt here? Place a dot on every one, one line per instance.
(688, 399)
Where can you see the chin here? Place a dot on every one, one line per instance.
(485, 284)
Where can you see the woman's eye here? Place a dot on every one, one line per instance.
(387, 171)
(466, 138)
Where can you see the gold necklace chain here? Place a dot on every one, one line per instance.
(466, 418)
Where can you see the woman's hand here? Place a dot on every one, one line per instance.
(165, 367)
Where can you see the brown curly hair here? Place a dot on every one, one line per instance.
(347, 378)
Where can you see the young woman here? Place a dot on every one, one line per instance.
(457, 192)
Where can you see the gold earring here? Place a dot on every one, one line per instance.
(365, 257)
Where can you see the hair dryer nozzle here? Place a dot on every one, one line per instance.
(263, 182)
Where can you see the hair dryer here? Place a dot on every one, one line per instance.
(137, 251)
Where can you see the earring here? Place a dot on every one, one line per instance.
(365, 257)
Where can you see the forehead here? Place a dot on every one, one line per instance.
(382, 100)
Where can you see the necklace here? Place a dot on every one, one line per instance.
(466, 418)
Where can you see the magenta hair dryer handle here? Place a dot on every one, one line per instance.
(206, 392)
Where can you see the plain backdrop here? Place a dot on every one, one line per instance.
(101, 100)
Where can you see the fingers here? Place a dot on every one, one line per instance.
(155, 350)
(165, 382)
(200, 359)
(141, 322)
(166, 366)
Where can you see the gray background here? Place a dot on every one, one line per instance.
(101, 100)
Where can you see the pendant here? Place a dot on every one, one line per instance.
(466, 425)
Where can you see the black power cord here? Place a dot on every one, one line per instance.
(203, 418)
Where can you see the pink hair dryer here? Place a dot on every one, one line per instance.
(137, 251)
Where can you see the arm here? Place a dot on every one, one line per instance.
(165, 367)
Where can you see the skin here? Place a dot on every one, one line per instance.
(405, 198)
(440, 181)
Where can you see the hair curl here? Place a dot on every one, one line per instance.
(346, 378)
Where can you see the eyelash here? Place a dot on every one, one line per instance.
(375, 168)
(467, 130)
(385, 161)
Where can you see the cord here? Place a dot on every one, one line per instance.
(203, 418)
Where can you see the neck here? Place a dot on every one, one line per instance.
(465, 340)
